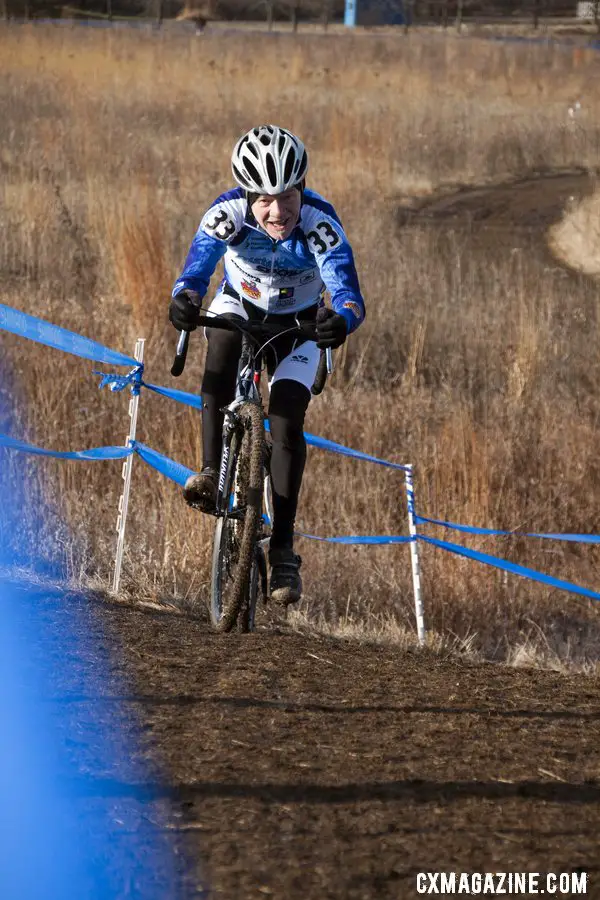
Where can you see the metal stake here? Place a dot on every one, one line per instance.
(414, 554)
(127, 467)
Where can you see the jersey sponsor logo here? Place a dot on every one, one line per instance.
(285, 298)
(251, 290)
(260, 263)
(251, 276)
(353, 307)
(278, 272)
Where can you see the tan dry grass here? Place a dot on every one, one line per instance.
(480, 371)
(575, 240)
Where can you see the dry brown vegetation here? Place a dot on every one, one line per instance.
(575, 239)
(481, 370)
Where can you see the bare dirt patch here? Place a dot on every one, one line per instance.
(502, 215)
(295, 766)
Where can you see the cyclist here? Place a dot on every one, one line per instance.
(283, 246)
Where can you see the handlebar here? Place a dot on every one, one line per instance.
(260, 330)
(256, 330)
(180, 354)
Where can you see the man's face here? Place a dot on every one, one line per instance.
(278, 214)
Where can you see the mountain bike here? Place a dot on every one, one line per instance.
(243, 508)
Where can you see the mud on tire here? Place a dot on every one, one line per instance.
(234, 545)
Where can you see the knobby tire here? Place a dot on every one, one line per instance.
(248, 468)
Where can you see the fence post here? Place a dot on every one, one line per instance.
(414, 554)
(459, 15)
(127, 467)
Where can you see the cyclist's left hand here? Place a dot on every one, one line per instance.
(331, 328)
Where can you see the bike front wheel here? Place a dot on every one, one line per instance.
(236, 531)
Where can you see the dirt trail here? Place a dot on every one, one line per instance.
(294, 766)
(502, 216)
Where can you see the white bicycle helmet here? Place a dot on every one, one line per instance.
(269, 160)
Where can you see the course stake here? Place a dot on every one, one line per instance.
(414, 554)
(127, 467)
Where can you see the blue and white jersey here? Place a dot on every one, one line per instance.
(276, 276)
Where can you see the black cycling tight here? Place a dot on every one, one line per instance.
(287, 407)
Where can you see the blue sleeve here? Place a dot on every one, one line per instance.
(200, 264)
(220, 225)
(333, 254)
(341, 280)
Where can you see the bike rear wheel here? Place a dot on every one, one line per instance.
(236, 532)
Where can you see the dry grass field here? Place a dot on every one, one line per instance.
(478, 361)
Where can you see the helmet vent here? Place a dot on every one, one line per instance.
(253, 172)
(303, 165)
(289, 165)
(271, 170)
(241, 179)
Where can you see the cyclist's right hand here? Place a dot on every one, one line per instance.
(184, 310)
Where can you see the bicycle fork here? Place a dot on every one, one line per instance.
(230, 424)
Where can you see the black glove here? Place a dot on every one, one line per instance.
(332, 329)
(184, 310)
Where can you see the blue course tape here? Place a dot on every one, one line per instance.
(173, 470)
(180, 473)
(360, 539)
(194, 400)
(94, 453)
(118, 383)
(314, 440)
(333, 447)
(168, 467)
(503, 564)
(43, 332)
(468, 529)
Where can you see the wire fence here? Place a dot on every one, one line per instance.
(446, 14)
